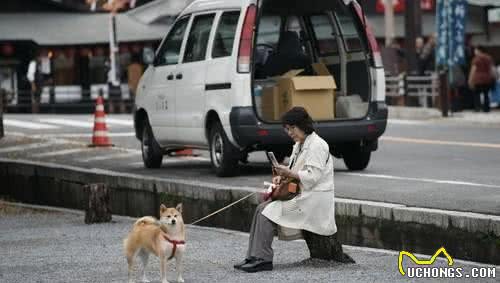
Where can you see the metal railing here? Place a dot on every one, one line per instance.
(71, 98)
(409, 90)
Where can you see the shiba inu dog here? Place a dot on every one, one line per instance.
(165, 238)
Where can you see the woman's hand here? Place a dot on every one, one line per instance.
(276, 180)
(284, 171)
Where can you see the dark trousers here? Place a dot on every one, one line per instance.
(261, 235)
(485, 90)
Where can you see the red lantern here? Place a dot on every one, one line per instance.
(7, 49)
(399, 5)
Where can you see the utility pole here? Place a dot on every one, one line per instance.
(389, 21)
(413, 29)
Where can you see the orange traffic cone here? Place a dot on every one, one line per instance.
(184, 152)
(100, 135)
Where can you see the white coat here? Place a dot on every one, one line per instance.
(314, 209)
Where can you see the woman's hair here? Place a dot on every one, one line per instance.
(298, 116)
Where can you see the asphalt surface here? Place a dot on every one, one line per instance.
(445, 164)
(56, 246)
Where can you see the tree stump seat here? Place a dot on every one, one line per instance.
(326, 247)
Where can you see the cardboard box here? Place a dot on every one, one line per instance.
(315, 93)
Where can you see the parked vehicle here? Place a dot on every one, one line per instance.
(203, 89)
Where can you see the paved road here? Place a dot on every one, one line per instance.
(40, 246)
(436, 164)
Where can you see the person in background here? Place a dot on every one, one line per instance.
(419, 48)
(427, 56)
(482, 78)
(134, 73)
(35, 77)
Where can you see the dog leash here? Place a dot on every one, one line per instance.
(224, 208)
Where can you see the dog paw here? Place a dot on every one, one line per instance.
(145, 280)
(165, 281)
(180, 280)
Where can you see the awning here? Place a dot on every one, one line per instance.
(484, 2)
(74, 28)
(157, 11)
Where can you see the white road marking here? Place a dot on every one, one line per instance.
(62, 152)
(439, 142)
(120, 122)
(425, 180)
(68, 122)
(406, 122)
(88, 135)
(28, 146)
(28, 125)
(172, 160)
(111, 156)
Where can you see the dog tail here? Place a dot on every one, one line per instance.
(146, 220)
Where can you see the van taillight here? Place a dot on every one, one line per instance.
(246, 40)
(372, 41)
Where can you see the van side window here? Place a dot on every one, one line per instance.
(196, 47)
(269, 30)
(224, 36)
(325, 35)
(349, 30)
(169, 52)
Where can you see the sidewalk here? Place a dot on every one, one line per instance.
(56, 246)
(466, 116)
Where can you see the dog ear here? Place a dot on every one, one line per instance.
(179, 207)
(162, 208)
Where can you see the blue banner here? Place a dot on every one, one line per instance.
(458, 12)
(442, 32)
(451, 16)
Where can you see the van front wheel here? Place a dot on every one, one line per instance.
(356, 159)
(223, 155)
(151, 151)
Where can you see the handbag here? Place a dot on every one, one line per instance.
(287, 189)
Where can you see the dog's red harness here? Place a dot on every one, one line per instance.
(175, 243)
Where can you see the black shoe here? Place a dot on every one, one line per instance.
(257, 265)
(245, 261)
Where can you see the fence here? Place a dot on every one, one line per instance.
(406, 90)
(71, 98)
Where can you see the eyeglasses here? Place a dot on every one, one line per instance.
(289, 129)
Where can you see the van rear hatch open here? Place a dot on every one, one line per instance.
(306, 41)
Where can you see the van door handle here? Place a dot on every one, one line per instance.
(170, 77)
(178, 76)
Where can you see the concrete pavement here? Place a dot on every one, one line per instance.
(41, 244)
(466, 116)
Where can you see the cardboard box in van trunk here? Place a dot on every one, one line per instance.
(315, 93)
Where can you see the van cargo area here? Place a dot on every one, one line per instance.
(312, 54)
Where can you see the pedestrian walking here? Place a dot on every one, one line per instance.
(35, 77)
(134, 73)
(482, 78)
(313, 209)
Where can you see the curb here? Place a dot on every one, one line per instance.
(366, 223)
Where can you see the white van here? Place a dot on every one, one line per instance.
(203, 89)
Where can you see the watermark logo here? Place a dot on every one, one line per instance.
(425, 268)
(422, 262)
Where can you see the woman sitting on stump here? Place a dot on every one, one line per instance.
(309, 215)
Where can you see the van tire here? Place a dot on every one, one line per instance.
(152, 155)
(356, 159)
(223, 155)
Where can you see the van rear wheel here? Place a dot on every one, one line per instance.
(356, 159)
(223, 155)
(151, 151)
